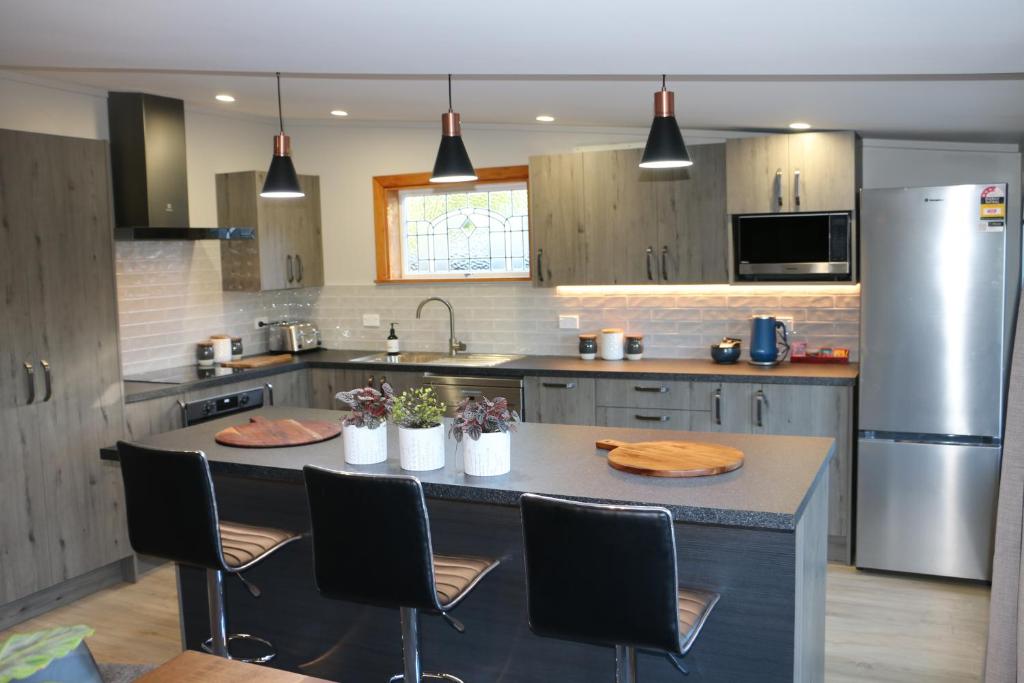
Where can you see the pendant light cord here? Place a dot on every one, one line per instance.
(663, 81)
(449, 92)
(280, 114)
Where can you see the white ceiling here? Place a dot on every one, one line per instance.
(914, 68)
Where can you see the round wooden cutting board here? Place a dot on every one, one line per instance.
(672, 458)
(260, 432)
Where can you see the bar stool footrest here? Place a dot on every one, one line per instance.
(435, 677)
(262, 659)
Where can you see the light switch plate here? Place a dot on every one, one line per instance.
(568, 322)
(371, 320)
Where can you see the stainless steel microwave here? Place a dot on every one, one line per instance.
(793, 246)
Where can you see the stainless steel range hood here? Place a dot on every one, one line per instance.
(147, 158)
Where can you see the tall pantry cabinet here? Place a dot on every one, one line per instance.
(60, 376)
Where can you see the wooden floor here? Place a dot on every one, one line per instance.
(880, 627)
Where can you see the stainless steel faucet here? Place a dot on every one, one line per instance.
(454, 345)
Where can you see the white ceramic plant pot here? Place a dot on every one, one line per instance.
(489, 455)
(365, 446)
(421, 449)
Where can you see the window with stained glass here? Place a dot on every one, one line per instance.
(477, 232)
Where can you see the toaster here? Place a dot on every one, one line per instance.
(293, 337)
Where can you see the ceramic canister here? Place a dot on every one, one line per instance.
(613, 341)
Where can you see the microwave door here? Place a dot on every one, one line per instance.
(792, 246)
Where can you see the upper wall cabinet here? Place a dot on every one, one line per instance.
(287, 252)
(597, 218)
(796, 172)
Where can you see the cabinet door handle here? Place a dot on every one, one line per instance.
(49, 380)
(654, 390)
(653, 418)
(760, 404)
(540, 265)
(796, 188)
(778, 188)
(650, 253)
(30, 375)
(559, 385)
(298, 264)
(716, 399)
(270, 393)
(664, 263)
(288, 267)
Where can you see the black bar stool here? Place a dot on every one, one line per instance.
(607, 574)
(172, 514)
(371, 544)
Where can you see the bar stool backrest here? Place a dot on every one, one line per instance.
(172, 511)
(601, 573)
(371, 538)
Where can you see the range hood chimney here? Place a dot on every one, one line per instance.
(147, 159)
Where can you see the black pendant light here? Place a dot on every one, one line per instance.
(281, 182)
(665, 147)
(452, 164)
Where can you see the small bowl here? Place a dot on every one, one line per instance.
(725, 354)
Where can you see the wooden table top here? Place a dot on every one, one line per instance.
(199, 666)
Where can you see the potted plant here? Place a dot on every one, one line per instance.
(488, 424)
(364, 430)
(418, 414)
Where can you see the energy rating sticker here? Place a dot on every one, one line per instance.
(993, 204)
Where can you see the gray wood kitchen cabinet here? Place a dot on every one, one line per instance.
(646, 418)
(559, 400)
(597, 218)
(795, 172)
(61, 506)
(557, 235)
(288, 250)
(325, 383)
(798, 410)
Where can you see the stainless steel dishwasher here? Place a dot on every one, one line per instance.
(452, 389)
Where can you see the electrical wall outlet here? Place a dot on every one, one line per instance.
(788, 320)
(260, 323)
(371, 320)
(568, 322)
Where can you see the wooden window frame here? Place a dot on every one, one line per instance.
(388, 230)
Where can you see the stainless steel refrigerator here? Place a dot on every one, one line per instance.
(937, 297)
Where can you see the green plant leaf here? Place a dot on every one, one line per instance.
(23, 654)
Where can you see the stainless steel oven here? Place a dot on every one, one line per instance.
(793, 246)
(453, 389)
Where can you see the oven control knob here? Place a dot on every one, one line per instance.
(208, 407)
(244, 399)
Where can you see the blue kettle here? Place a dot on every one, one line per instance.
(764, 341)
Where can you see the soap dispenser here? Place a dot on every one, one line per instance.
(393, 348)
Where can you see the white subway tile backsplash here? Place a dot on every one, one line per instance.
(170, 297)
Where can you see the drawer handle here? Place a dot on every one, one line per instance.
(30, 374)
(653, 390)
(559, 385)
(653, 418)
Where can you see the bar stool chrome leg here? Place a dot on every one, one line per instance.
(413, 669)
(219, 639)
(625, 664)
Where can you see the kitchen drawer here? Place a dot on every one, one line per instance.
(559, 400)
(646, 418)
(642, 393)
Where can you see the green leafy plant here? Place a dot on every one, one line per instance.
(417, 409)
(474, 417)
(23, 654)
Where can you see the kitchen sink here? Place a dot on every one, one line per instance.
(471, 360)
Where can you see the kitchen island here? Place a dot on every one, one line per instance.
(756, 535)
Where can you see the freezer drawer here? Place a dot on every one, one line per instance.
(926, 508)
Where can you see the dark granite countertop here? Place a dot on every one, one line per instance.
(175, 381)
(768, 492)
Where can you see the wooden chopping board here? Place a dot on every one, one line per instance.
(260, 432)
(672, 458)
(258, 361)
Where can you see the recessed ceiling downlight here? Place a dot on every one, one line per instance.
(545, 118)
(339, 112)
(799, 125)
(224, 97)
